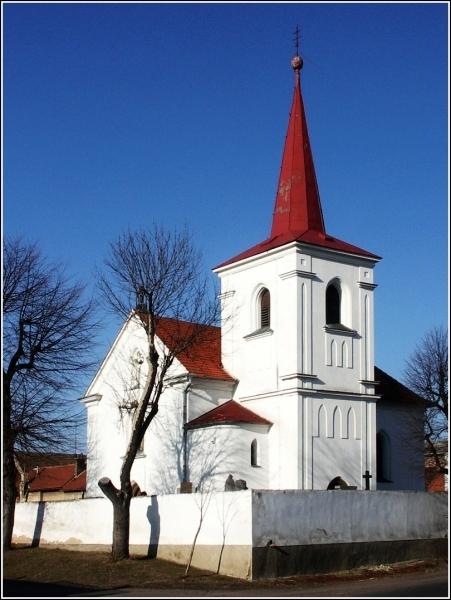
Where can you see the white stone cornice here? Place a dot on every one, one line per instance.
(339, 331)
(301, 376)
(367, 286)
(92, 400)
(264, 256)
(297, 273)
(225, 295)
(258, 334)
(311, 392)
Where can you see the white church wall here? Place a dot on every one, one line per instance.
(297, 279)
(109, 428)
(211, 459)
(341, 359)
(339, 438)
(314, 439)
(206, 394)
(252, 359)
(302, 353)
(283, 437)
(406, 450)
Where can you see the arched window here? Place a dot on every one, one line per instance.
(383, 457)
(333, 299)
(265, 308)
(254, 454)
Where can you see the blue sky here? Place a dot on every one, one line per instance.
(120, 115)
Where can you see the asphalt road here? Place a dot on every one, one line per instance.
(406, 585)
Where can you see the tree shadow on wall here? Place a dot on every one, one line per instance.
(153, 516)
(38, 525)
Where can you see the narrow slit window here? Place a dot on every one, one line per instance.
(265, 309)
(254, 452)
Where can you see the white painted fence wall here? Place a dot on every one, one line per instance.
(236, 522)
(168, 522)
(292, 518)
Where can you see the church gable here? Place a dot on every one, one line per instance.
(125, 359)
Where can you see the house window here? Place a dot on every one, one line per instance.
(333, 300)
(383, 457)
(254, 454)
(265, 308)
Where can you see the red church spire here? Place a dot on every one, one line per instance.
(297, 207)
(297, 215)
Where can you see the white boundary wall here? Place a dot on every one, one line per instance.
(166, 523)
(236, 522)
(291, 518)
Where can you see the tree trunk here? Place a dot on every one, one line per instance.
(121, 529)
(22, 482)
(121, 517)
(9, 499)
(9, 474)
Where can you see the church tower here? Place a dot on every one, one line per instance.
(298, 334)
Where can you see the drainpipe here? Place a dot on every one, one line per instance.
(185, 433)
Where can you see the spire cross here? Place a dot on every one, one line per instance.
(296, 61)
(297, 37)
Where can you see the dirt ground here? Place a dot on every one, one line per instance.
(96, 570)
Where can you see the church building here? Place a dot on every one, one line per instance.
(285, 394)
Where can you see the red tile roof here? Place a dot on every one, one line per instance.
(313, 238)
(202, 358)
(52, 478)
(77, 484)
(227, 413)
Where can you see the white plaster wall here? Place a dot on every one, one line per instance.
(297, 278)
(245, 518)
(308, 448)
(401, 424)
(252, 360)
(159, 469)
(297, 517)
(339, 437)
(216, 452)
(284, 437)
(164, 520)
(271, 367)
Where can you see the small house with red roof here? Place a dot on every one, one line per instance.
(286, 396)
(56, 482)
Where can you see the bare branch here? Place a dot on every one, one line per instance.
(48, 335)
(426, 374)
(155, 279)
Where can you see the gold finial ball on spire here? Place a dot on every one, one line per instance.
(296, 63)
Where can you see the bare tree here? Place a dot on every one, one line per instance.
(202, 499)
(47, 338)
(426, 374)
(152, 276)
